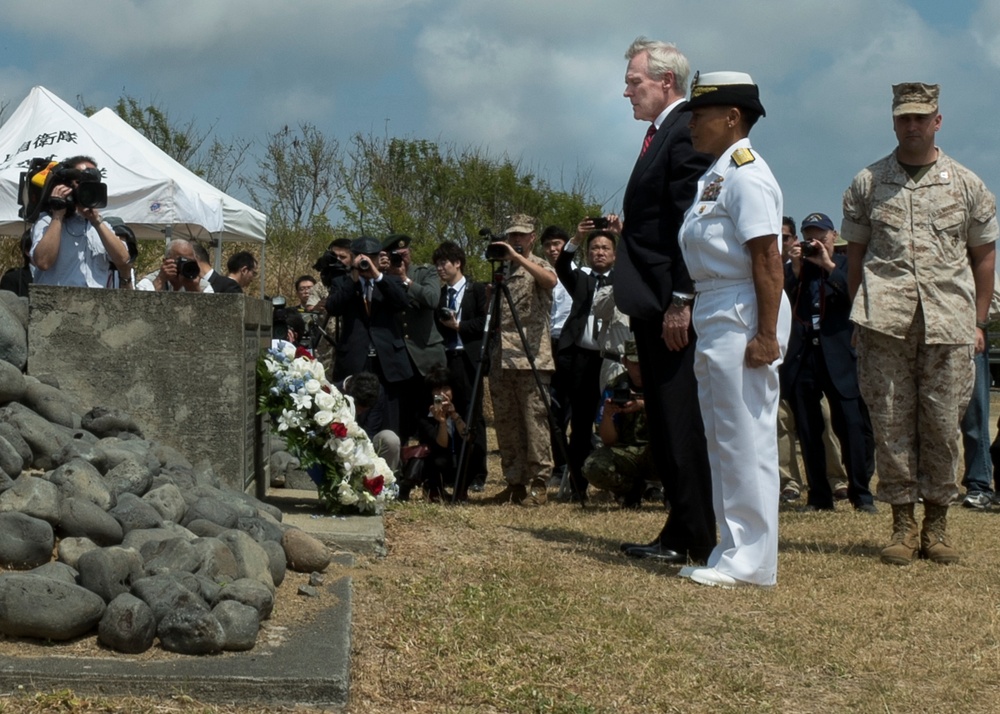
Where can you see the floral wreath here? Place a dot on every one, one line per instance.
(317, 422)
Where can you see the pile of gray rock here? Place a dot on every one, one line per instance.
(102, 529)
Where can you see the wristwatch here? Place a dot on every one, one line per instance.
(680, 300)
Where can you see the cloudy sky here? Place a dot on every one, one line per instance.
(539, 80)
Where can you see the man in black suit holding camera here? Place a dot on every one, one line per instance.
(653, 288)
(371, 339)
(461, 320)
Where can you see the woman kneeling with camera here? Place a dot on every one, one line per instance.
(442, 431)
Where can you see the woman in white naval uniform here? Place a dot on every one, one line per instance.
(742, 318)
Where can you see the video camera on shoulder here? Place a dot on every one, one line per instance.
(330, 268)
(34, 193)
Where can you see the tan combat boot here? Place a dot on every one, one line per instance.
(537, 494)
(905, 538)
(513, 493)
(934, 544)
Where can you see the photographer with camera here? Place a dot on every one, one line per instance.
(71, 245)
(423, 341)
(179, 271)
(821, 361)
(520, 415)
(371, 337)
(623, 460)
(578, 360)
(442, 430)
(335, 261)
(461, 321)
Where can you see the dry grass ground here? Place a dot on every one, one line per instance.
(485, 608)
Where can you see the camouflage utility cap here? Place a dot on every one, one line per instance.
(519, 223)
(915, 98)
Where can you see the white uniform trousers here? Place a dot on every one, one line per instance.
(739, 407)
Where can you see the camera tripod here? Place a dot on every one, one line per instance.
(490, 334)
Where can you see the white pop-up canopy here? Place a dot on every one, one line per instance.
(152, 200)
(240, 222)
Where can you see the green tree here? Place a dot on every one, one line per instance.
(435, 192)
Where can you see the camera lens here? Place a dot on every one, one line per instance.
(364, 265)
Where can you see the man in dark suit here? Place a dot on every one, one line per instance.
(219, 283)
(461, 321)
(371, 339)
(578, 357)
(423, 341)
(653, 288)
(821, 360)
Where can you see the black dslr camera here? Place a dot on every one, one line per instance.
(809, 250)
(621, 396)
(187, 268)
(395, 258)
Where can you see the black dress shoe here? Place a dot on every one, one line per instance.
(629, 546)
(658, 553)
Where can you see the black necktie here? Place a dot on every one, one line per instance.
(452, 342)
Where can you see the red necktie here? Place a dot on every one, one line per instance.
(650, 133)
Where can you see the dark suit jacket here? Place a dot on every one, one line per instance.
(581, 287)
(835, 326)
(222, 284)
(470, 329)
(649, 266)
(358, 329)
(423, 342)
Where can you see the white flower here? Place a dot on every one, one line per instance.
(313, 386)
(346, 494)
(317, 370)
(323, 417)
(325, 401)
(344, 449)
(288, 419)
(382, 468)
(302, 401)
(363, 456)
(288, 349)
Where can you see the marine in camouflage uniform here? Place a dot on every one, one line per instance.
(519, 414)
(915, 220)
(621, 467)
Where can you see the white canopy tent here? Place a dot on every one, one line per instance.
(239, 222)
(148, 190)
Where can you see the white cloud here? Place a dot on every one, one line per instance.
(540, 81)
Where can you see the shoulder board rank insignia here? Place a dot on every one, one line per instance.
(743, 156)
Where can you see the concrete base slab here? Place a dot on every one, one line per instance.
(364, 535)
(307, 665)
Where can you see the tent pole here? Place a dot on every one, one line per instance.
(263, 249)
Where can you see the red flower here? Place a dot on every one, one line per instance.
(338, 429)
(301, 351)
(374, 485)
